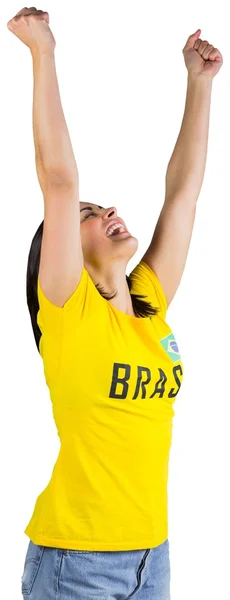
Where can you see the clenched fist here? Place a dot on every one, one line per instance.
(31, 26)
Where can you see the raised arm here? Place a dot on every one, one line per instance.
(55, 161)
(61, 253)
(169, 247)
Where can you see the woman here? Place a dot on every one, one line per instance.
(111, 362)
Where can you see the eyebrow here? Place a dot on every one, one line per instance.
(89, 208)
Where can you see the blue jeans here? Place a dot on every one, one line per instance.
(56, 574)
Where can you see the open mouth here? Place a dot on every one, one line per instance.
(118, 233)
(117, 230)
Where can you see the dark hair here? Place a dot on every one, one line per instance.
(141, 308)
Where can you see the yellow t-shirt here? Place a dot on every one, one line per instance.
(113, 379)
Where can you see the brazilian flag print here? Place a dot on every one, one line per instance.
(170, 346)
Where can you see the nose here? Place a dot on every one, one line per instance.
(110, 212)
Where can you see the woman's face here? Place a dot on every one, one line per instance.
(96, 245)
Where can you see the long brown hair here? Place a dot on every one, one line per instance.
(141, 308)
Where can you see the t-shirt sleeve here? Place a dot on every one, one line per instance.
(51, 319)
(145, 282)
(57, 322)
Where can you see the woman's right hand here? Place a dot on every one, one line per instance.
(31, 26)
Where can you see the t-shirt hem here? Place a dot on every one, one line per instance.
(106, 547)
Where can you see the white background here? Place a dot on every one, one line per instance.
(122, 80)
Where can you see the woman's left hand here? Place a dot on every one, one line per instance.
(201, 58)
